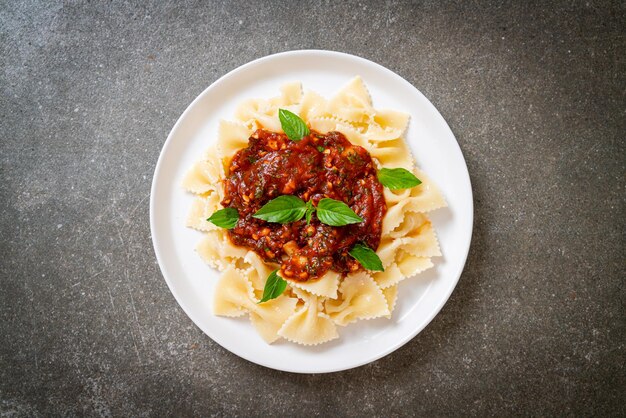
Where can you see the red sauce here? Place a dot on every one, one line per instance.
(315, 167)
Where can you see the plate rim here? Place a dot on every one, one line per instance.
(153, 228)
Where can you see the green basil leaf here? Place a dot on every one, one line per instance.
(397, 178)
(367, 257)
(225, 218)
(274, 287)
(309, 211)
(335, 213)
(292, 125)
(283, 209)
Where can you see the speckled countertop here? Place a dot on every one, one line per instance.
(535, 95)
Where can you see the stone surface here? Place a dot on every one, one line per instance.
(535, 96)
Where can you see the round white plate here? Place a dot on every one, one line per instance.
(191, 281)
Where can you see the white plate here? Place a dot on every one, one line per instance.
(191, 281)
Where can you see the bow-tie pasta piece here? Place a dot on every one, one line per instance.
(393, 154)
(414, 234)
(410, 264)
(422, 241)
(205, 175)
(353, 103)
(313, 106)
(231, 137)
(268, 317)
(260, 113)
(360, 298)
(202, 208)
(421, 198)
(248, 111)
(234, 295)
(290, 95)
(309, 325)
(219, 252)
(391, 120)
(398, 263)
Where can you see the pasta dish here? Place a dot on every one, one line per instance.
(314, 212)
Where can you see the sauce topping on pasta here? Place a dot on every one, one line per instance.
(318, 166)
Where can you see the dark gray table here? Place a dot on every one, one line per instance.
(535, 95)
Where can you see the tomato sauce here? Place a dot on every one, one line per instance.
(318, 166)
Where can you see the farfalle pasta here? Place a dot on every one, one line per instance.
(309, 324)
(319, 299)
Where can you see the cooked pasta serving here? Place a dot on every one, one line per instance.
(313, 210)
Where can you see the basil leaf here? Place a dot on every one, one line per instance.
(397, 178)
(367, 257)
(309, 211)
(335, 213)
(225, 218)
(283, 209)
(274, 287)
(292, 125)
